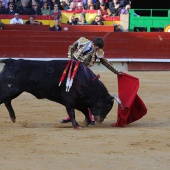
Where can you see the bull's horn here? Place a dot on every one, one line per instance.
(118, 100)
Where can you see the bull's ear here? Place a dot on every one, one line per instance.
(8, 61)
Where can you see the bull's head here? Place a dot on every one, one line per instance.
(103, 107)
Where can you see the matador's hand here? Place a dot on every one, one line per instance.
(118, 72)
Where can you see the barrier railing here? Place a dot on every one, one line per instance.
(149, 19)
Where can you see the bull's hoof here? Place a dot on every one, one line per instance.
(78, 128)
(13, 120)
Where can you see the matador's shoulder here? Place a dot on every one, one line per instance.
(83, 41)
(100, 53)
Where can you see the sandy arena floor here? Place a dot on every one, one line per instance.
(37, 141)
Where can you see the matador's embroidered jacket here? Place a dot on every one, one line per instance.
(81, 50)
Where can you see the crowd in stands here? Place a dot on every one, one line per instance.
(53, 8)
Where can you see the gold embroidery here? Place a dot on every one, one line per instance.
(76, 51)
(83, 41)
(100, 53)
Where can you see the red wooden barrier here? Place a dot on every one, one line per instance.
(157, 66)
(48, 44)
(65, 27)
(26, 27)
(88, 28)
(117, 45)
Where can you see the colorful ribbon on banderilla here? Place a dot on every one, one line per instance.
(71, 74)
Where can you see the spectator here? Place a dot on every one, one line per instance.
(91, 7)
(1, 25)
(104, 11)
(35, 10)
(78, 4)
(2, 8)
(67, 2)
(57, 26)
(17, 4)
(72, 6)
(36, 2)
(53, 2)
(112, 7)
(72, 20)
(116, 6)
(127, 9)
(32, 21)
(97, 21)
(97, 6)
(122, 3)
(81, 20)
(64, 5)
(4, 3)
(16, 19)
(56, 13)
(45, 10)
(45, 1)
(116, 28)
(94, 2)
(11, 2)
(24, 8)
(89, 3)
(10, 9)
(85, 4)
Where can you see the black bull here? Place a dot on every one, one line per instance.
(41, 79)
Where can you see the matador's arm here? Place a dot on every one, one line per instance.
(109, 66)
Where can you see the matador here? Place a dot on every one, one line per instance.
(87, 52)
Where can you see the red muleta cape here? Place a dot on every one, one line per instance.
(133, 106)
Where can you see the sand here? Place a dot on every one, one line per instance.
(38, 141)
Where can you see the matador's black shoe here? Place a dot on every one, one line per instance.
(92, 123)
(65, 121)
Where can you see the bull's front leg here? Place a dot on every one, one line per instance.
(71, 113)
(69, 99)
(10, 110)
(87, 120)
